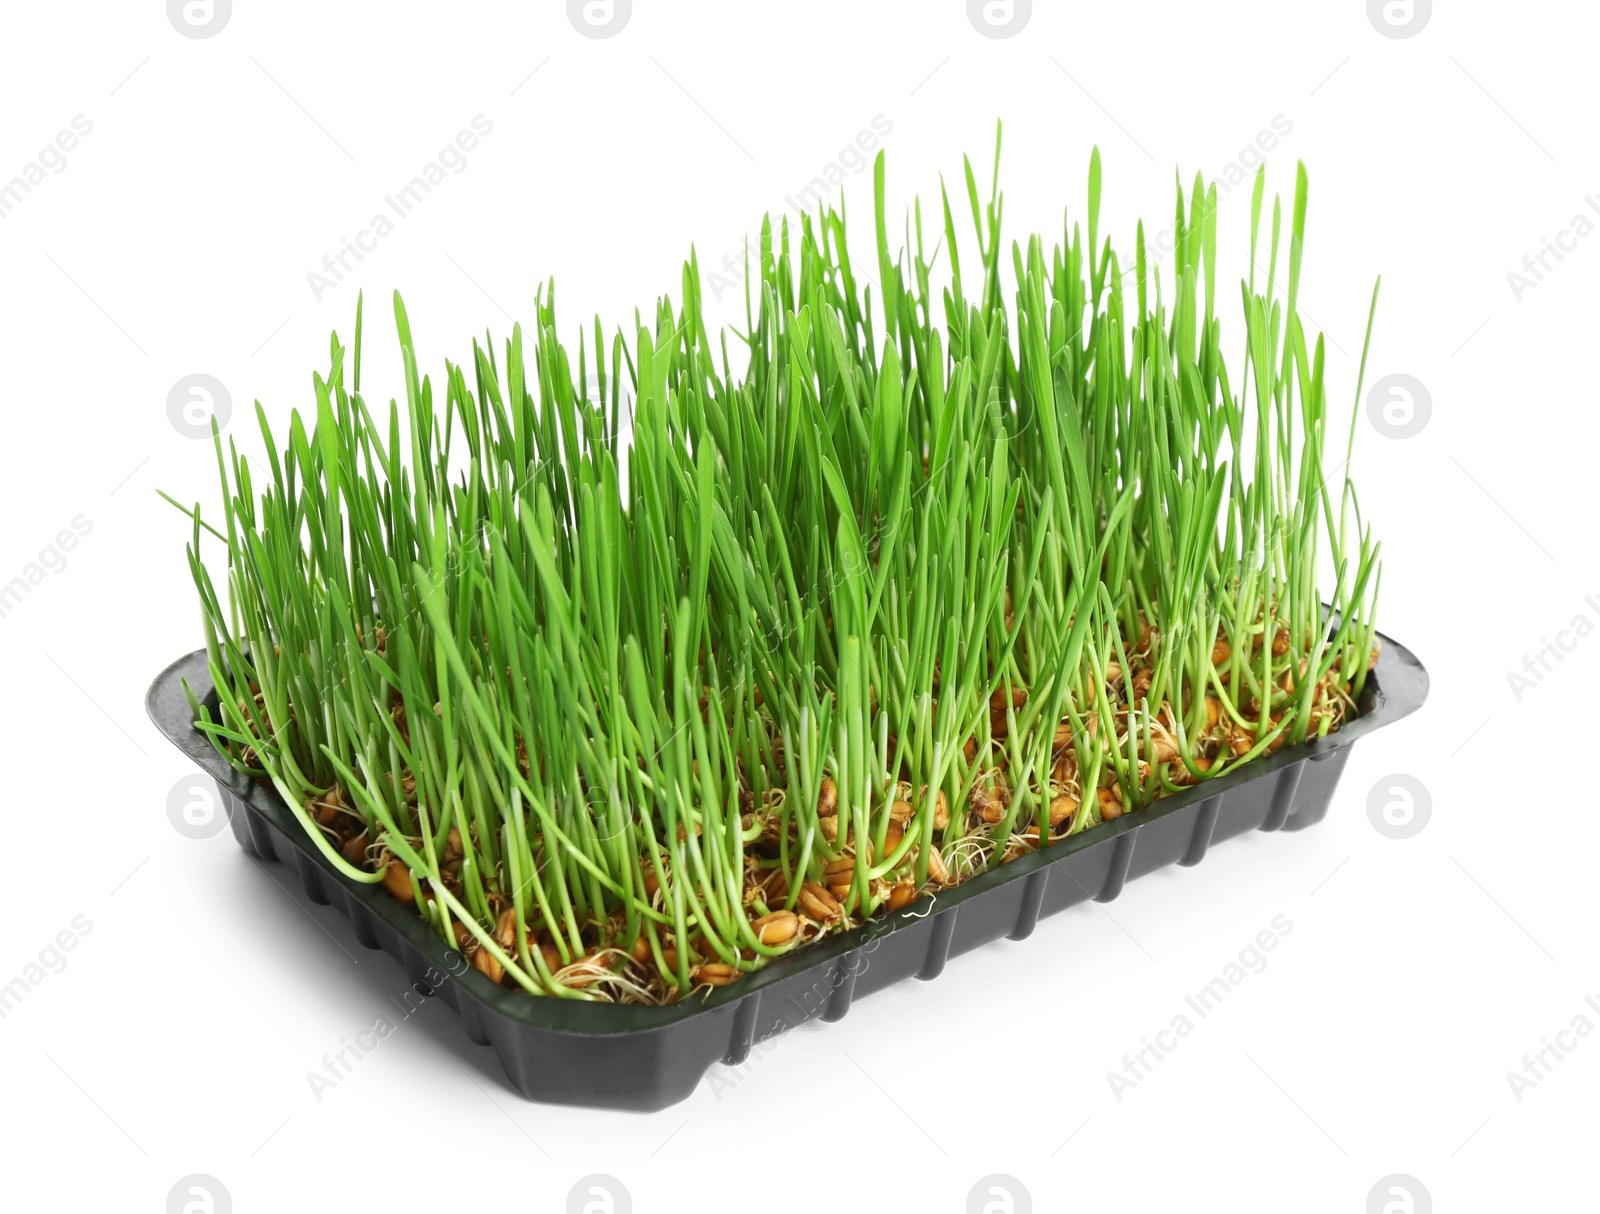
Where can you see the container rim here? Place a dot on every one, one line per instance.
(1397, 687)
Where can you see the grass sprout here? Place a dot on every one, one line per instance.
(632, 665)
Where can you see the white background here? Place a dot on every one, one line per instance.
(178, 239)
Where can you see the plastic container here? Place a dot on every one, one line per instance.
(646, 1058)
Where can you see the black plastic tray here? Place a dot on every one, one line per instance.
(646, 1058)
